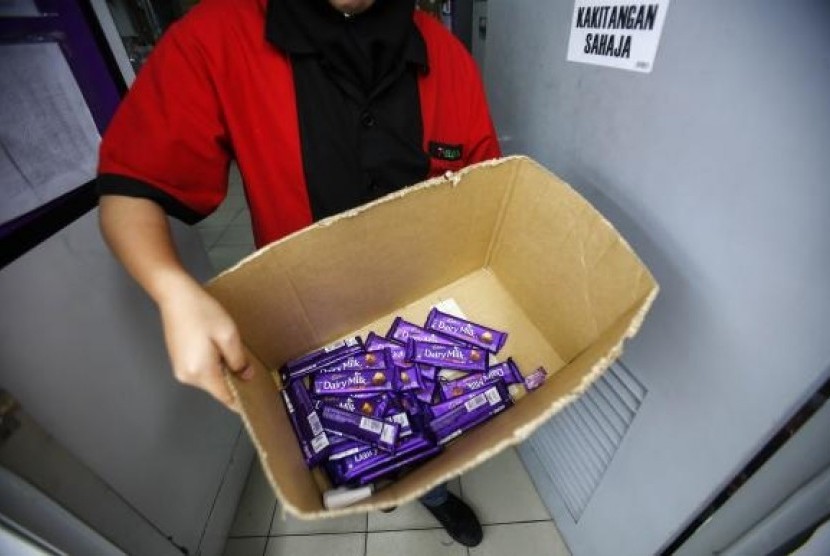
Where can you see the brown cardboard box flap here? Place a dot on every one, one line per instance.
(509, 242)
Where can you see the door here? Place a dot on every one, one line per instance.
(714, 166)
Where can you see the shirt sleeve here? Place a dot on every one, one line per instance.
(168, 141)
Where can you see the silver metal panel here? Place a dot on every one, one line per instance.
(715, 168)
(576, 447)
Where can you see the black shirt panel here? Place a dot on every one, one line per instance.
(358, 142)
(356, 149)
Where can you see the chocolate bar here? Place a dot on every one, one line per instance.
(373, 405)
(409, 379)
(436, 410)
(427, 392)
(314, 442)
(342, 447)
(343, 384)
(396, 350)
(409, 403)
(362, 462)
(508, 372)
(402, 331)
(473, 412)
(450, 390)
(468, 332)
(355, 426)
(452, 357)
(311, 362)
(402, 419)
(398, 464)
(427, 371)
(535, 379)
(376, 360)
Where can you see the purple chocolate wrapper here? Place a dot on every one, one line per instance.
(306, 411)
(370, 430)
(397, 465)
(377, 360)
(428, 372)
(397, 350)
(409, 379)
(535, 379)
(462, 358)
(402, 419)
(311, 362)
(403, 331)
(455, 388)
(427, 393)
(473, 412)
(314, 448)
(363, 462)
(441, 408)
(374, 405)
(468, 332)
(342, 447)
(508, 372)
(358, 382)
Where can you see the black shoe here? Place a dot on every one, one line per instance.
(459, 520)
(389, 510)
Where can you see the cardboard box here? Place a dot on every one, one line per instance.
(512, 244)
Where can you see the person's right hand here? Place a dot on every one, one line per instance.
(201, 339)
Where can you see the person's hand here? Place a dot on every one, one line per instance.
(201, 339)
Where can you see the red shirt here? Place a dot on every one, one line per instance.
(215, 90)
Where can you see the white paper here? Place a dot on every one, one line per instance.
(617, 35)
(48, 139)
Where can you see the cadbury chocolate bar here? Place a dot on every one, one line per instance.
(311, 362)
(451, 357)
(315, 448)
(441, 408)
(343, 384)
(508, 372)
(409, 403)
(397, 350)
(471, 413)
(427, 371)
(355, 426)
(374, 405)
(403, 331)
(535, 379)
(342, 447)
(455, 388)
(362, 462)
(376, 360)
(402, 419)
(409, 379)
(427, 392)
(468, 332)
(383, 471)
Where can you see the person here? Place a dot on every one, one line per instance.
(324, 105)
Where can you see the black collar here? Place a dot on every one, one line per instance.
(287, 37)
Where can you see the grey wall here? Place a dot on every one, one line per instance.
(81, 349)
(715, 166)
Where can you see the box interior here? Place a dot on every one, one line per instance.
(514, 246)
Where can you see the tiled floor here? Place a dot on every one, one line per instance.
(514, 518)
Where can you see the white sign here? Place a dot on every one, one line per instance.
(617, 35)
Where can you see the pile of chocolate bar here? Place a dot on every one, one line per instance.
(369, 410)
